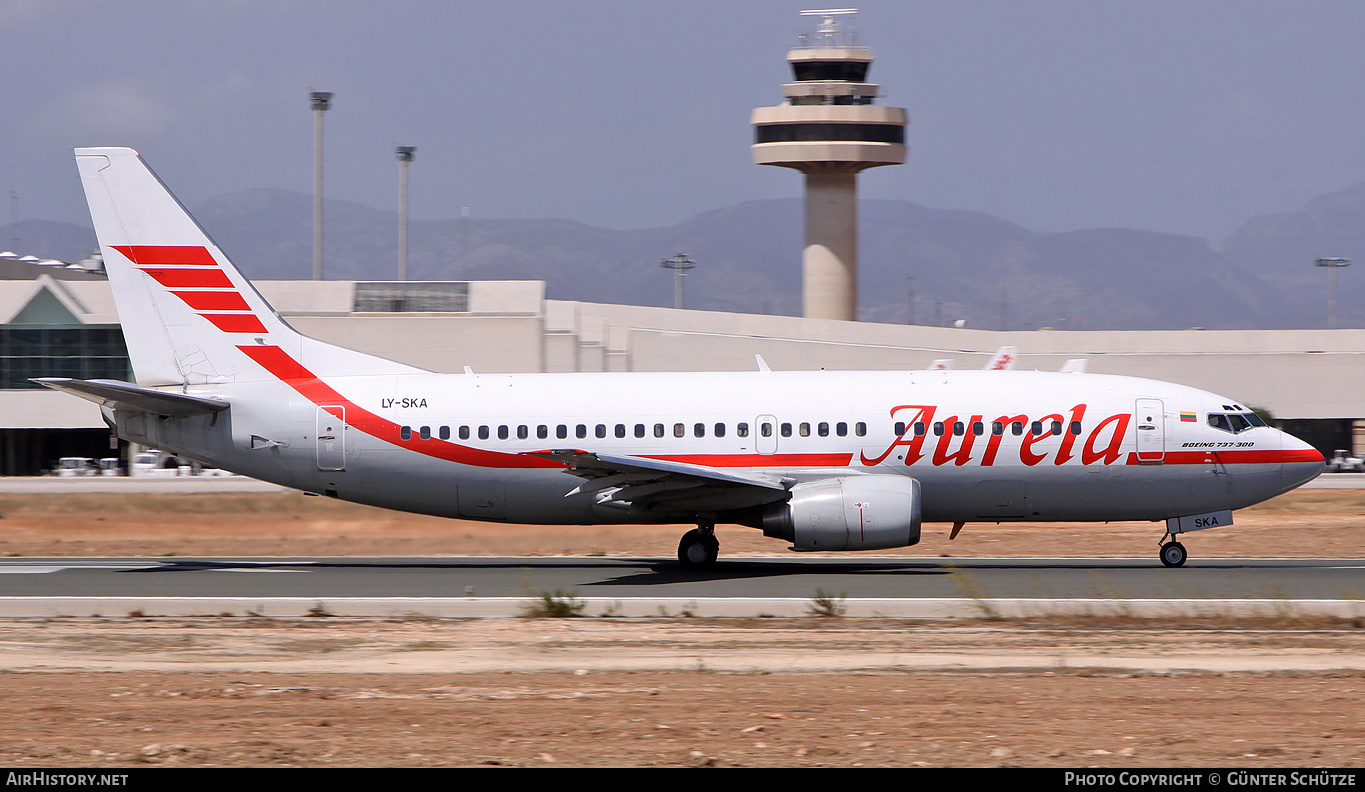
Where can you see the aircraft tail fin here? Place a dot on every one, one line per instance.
(1003, 359)
(188, 315)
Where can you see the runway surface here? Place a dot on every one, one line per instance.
(650, 586)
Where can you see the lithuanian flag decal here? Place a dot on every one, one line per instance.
(1188, 417)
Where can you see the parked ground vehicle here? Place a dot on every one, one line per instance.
(75, 466)
(1343, 462)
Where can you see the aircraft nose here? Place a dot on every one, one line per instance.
(1300, 462)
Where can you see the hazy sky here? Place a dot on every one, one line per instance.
(1185, 117)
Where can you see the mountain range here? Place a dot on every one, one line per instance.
(938, 265)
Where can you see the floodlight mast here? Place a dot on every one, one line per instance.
(680, 264)
(321, 103)
(405, 156)
(1332, 264)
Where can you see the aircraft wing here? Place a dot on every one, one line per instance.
(645, 483)
(125, 395)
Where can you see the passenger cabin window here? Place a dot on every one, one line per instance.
(860, 429)
(600, 431)
(679, 430)
(523, 432)
(483, 432)
(542, 432)
(639, 430)
(580, 431)
(742, 429)
(464, 432)
(804, 429)
(823, 429)
(699, 430)
(658, 430)
(720, 430)
(445, 432)
(424, 432)
(562, 431)
(841, 429)
(502, 432)
(620, 430)
(405, 432)
(786, 430)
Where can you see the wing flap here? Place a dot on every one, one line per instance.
(591, 465)
(645, 483)
(125, 395)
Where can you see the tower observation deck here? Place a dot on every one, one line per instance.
(829, 129)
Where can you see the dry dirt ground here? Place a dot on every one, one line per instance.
(327, 692)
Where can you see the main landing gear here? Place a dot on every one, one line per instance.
(1173, 553)
(699, 547)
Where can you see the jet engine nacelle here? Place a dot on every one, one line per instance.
(848, 513)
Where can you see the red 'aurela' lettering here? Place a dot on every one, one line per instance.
(1119, 428)
(993, 445)
(963, 454)
(915, 445)
(1069, 439)
(1026, 454)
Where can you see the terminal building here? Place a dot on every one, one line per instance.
(1311, 381)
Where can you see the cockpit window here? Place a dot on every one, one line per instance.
(1235, 422)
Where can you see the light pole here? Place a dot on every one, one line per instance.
(404, 157)
(1332, 265)
(322, 102)
(680, 264)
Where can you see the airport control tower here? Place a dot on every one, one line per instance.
(829, 130)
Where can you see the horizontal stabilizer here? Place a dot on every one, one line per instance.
(127, 396)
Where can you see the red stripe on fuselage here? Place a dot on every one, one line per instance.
(1242, 457)
(280, 364)
(184, 255)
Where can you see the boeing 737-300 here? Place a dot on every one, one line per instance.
(824, 460)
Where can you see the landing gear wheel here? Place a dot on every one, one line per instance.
(698, 549)
(1173, 554)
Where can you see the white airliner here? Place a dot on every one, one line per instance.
(825, 460)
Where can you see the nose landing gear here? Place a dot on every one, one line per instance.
(699, 547)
